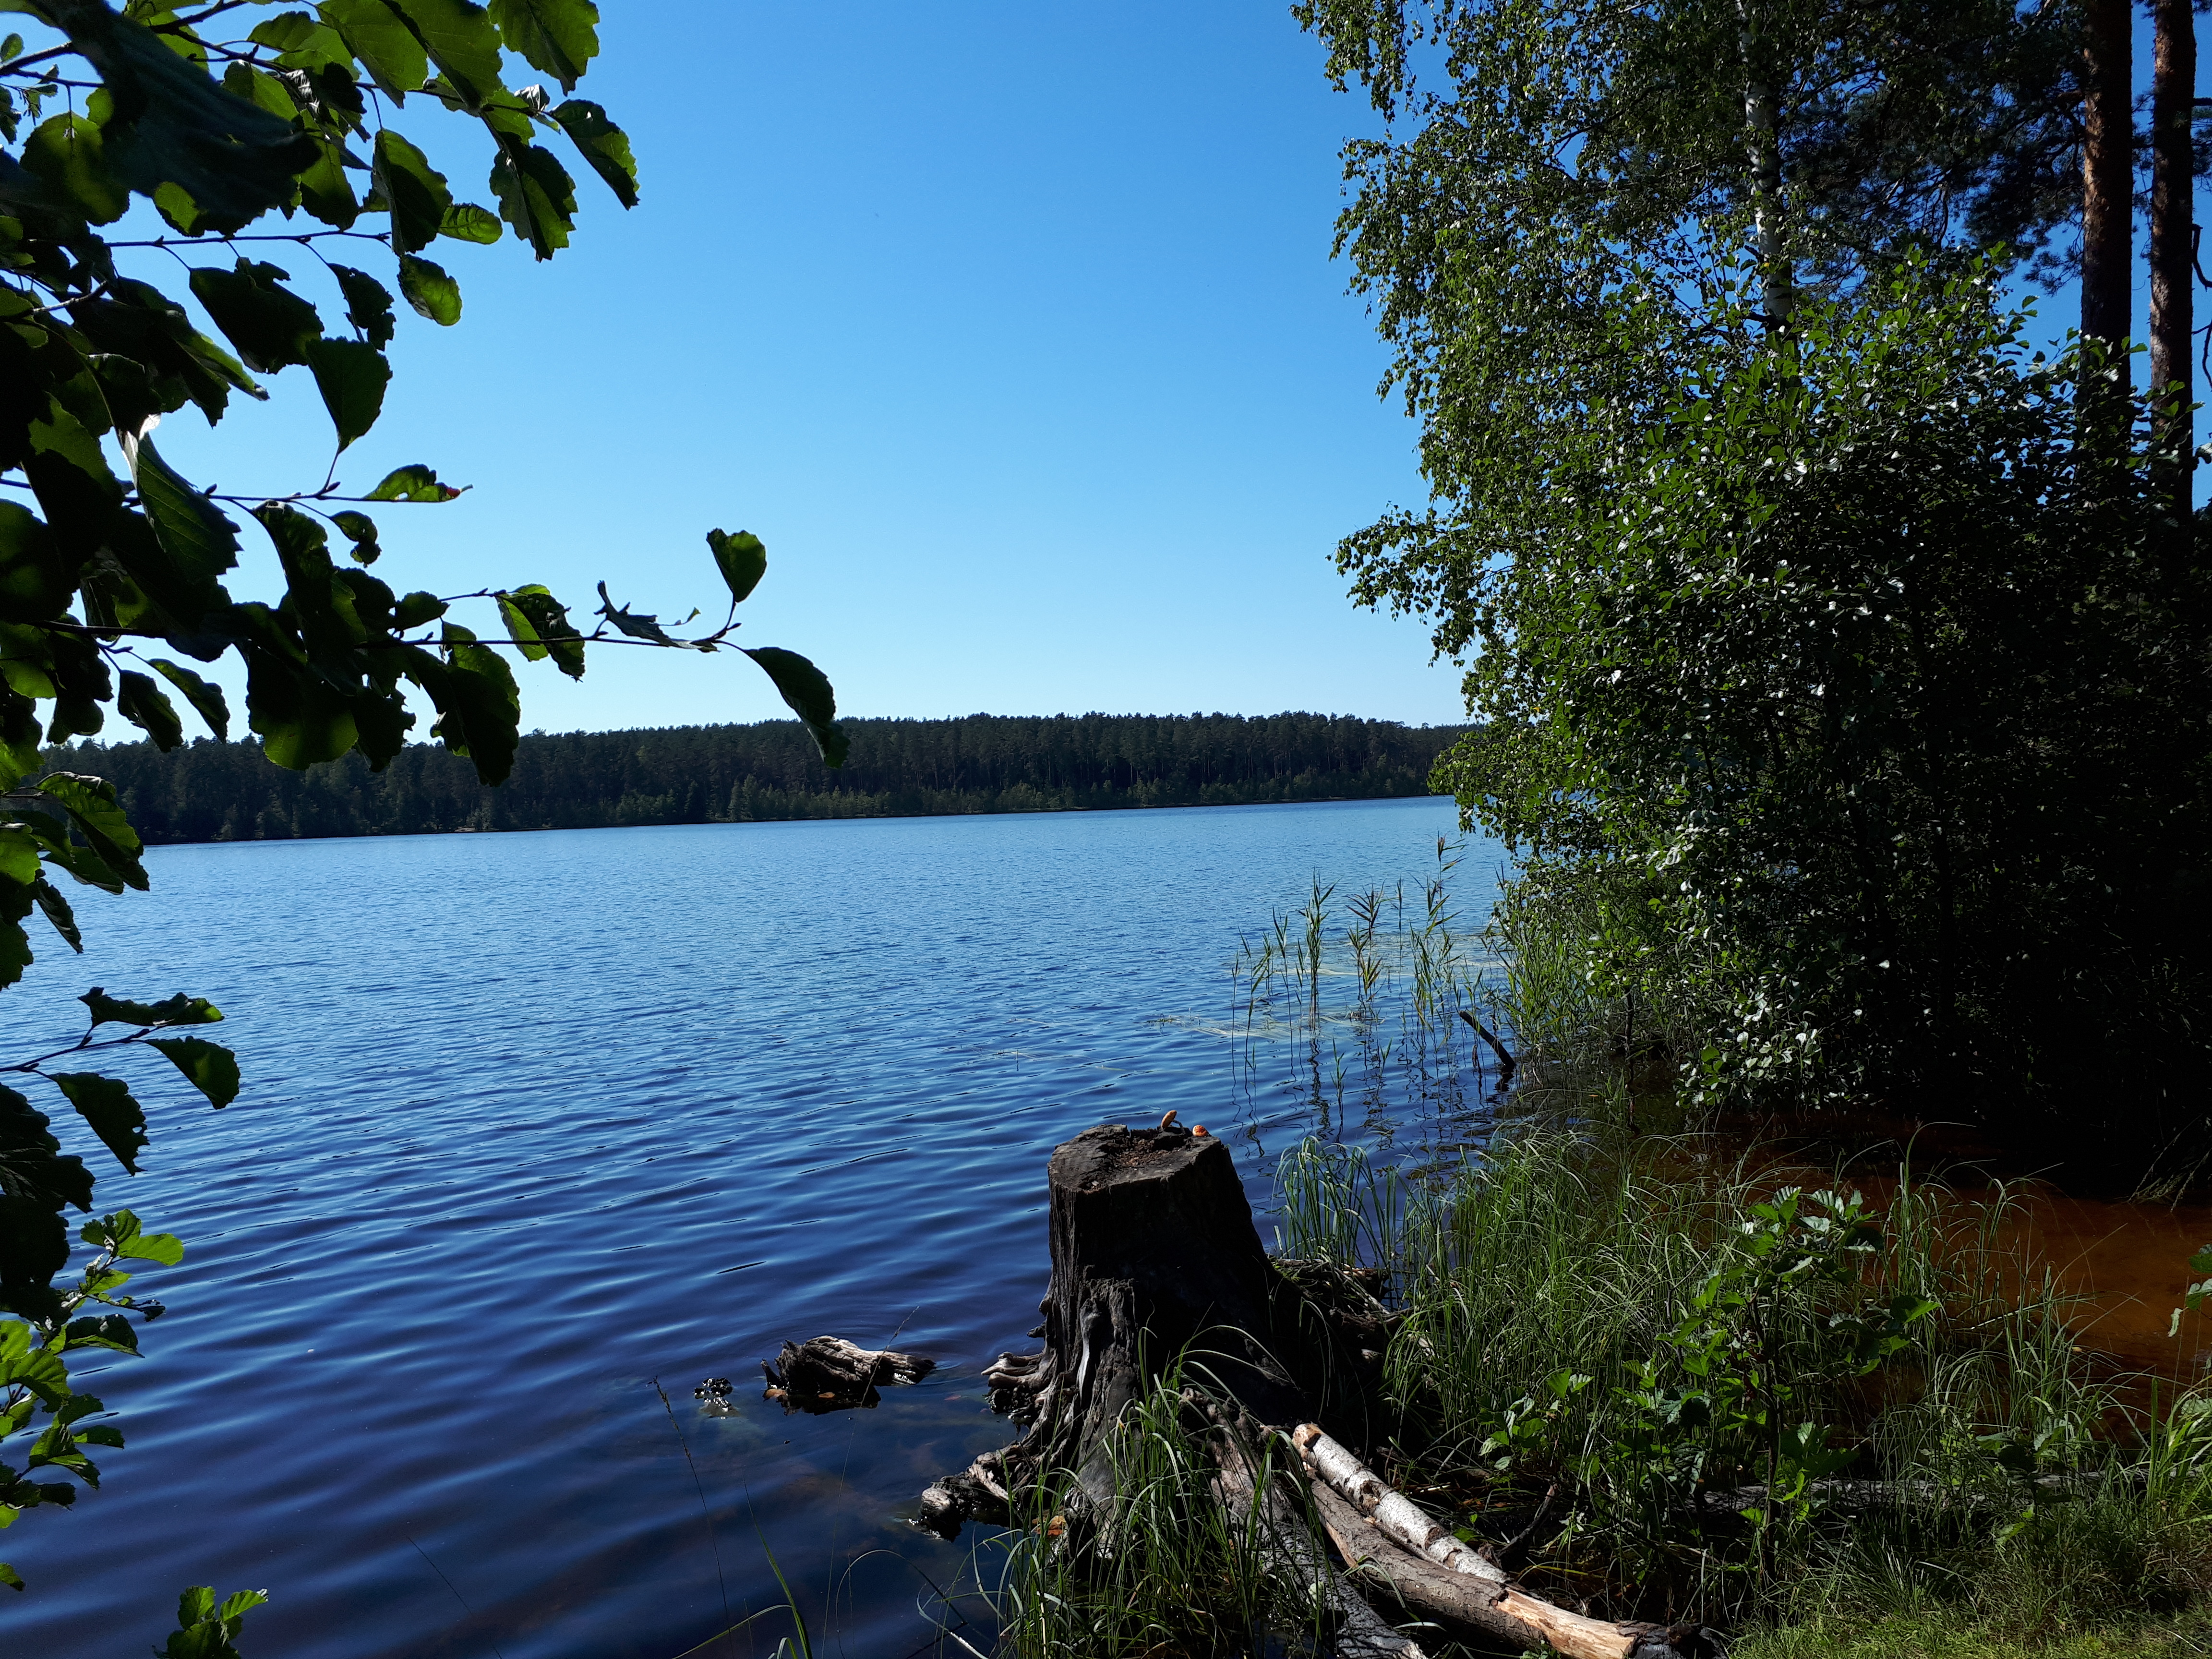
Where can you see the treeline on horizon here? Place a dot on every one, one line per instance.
(208, 791)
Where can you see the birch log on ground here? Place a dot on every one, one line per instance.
(1154, 1255)
(1391, 1544)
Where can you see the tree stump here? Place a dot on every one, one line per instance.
(828, 1373)
(1155, 1258)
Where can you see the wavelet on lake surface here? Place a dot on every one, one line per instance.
(531, 1122)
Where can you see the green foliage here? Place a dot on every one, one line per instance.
(217, 120)
(205, 1631)
(1866, 685)
(1554, 217)
(1852, 714)
(34, 1380)
(1717, 1392)
(769, 771)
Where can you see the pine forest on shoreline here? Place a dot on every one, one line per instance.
(770, 770)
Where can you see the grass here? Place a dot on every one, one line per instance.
(1166, 1568)
(1561, 1329)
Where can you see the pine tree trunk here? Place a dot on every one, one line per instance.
(2107, 173)
(2172, 251)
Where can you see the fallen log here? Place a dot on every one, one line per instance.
(829, 1374)
(1280, 1532)
(1387, 1540)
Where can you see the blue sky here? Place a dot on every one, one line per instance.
(1011, 329)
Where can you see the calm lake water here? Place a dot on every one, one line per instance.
(533, 1120)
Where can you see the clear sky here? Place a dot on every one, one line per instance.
(1011, 329)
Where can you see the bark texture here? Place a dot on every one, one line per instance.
(2107, 171)
(1154, 1257)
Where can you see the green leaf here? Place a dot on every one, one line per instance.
(234, 160)
(416, 191)
(18, 853)
(361, 530)
(536, 195)
(742, 558)
(807, 690)
(35, 581)
(461, 41)
(57, 912)
(272, 326)
(205, 696)
(70, 152)
(415, 608)
(179, 1010)
(414, 484)
(142, 702)
(479, 706)
(101, 1331)
(208, 1066)
(369, 304)
(200, 541)
(430, 290)
(560, 37)
(541, 627)
(387, 48)
(351, 376)
(90, 803)
(465, 222)
(104, 1103)
(604, 146)
(9, 1575)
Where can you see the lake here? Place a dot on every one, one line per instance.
(533, 1120)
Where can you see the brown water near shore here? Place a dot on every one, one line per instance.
(2122, 1262)
(2128, 1263)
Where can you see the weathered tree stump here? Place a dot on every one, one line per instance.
(1154, 1258)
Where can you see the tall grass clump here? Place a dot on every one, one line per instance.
(1677, 1384)
(1151, 1554)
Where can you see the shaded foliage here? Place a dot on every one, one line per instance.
(772, 770)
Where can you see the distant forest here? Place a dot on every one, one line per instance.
(210, 791)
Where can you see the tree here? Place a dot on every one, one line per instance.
(137, 142)
(1823, 668)
(1554, 223)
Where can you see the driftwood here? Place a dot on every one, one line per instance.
(829, 1374)
(1282, 1534)
(1505, 1066)
(1390, 1542)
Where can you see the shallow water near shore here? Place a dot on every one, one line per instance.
(531, 1122)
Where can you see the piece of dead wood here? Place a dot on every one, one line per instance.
(1282, 1534)
(1387, 1540)
(829, 1374)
